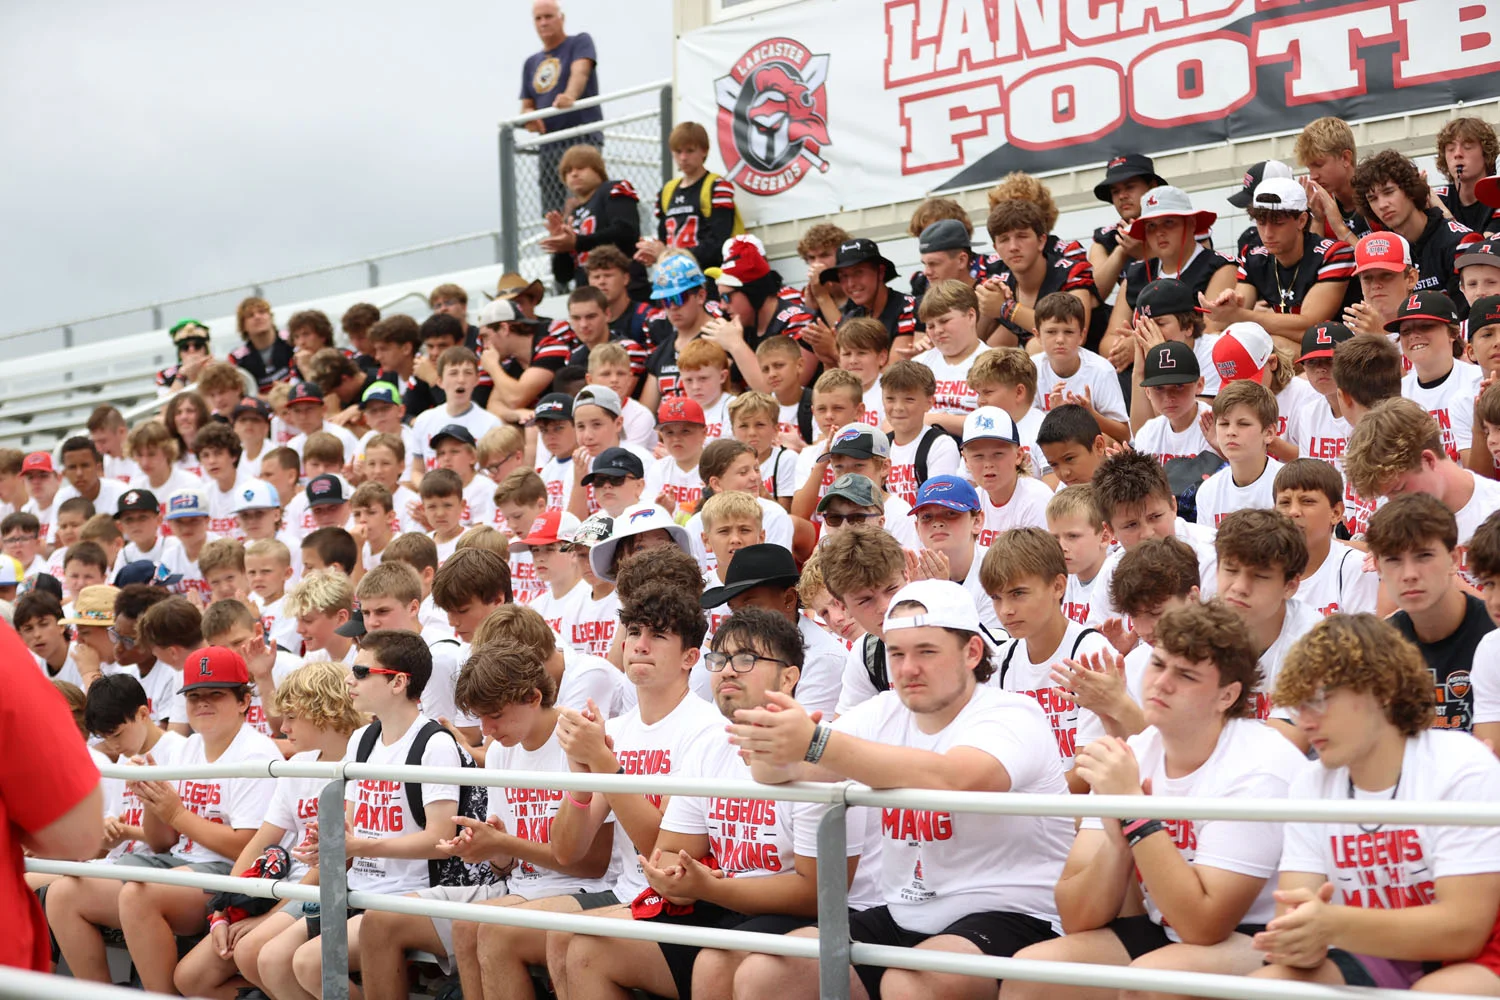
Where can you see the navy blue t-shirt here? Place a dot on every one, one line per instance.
(545, 76)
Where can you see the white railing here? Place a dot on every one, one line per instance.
(20, 984)
(832, 948)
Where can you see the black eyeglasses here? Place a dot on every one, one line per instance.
(837, 520)
(124, 641)
(742, 662)
(360, 671)
(22, 537)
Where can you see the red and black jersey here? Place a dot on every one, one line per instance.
(684, 225)
(637, 351)
(1434, 253)
(663, 364)
(1284, 288)
(1479, 217)
(632, 323)
(555, 349)
(899, 317)
(1200, 270)
(981, 266)
(248, 357)
(1064, 274)
(790, 319)
(1055, 246)
(167, 376)
(610, 215)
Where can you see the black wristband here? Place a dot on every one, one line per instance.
(1143, 831)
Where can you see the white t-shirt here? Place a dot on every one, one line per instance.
(346, 438)
(942, 460)
(1451, 403)
(1319, 434)
(939, 866)
(408, 441)
(716, 417)
(381, 811)
(525, 585)
(294, 805)
(239, 803)
(595, 630)
(640, 424)
(125, 805)
(786, 419)
(1484, 502)
(403, 499)
(1014, 671)
(1396, 866)
(592, 678)
(1250, 761)
(1093, 371)
(69, 671)
(774, 521)
(178, 479)
(661, 748)
(477, 420)
(1027, 427)
(684, 485)
(1299, 620)
(46, 517)
(1198, 537)
(1203, 350)
(1220, 496)
(953, 392)
(445, 549)
(900, 523)
(280, 626)
(874, 400)
(161, 685)
(562, 612)
(807, 461)
(557, 476)
(479, 501)
(437, 696)
(1156, 437)
(1027, 508)
(120, 469)
(108, 500)
(1341, 583)
(1295, 396)
(1484, 674)
(779, 472)
(1078, 598)
(434, 619)
(528, 814)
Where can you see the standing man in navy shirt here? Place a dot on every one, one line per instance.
(558, 77)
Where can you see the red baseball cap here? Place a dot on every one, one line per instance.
(38, 461)
(1382, 251)
(680, 410)
(214, 667)
(553, 526)
(1243, 352)
(744, 262)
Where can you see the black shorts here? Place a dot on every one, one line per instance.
(1141, 935)
(680, 957)
(995, 933)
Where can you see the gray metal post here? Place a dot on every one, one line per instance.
(333, 892)
(156, 323)
(67, 336)
(510, 238)
(373, 269)
(833, 906)
(668, 168)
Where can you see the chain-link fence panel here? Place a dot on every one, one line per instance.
(633, 148)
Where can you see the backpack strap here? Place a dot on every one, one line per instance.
(1005, 661)
(706, 194)
(414, 759)
(804, 416)
(874, 654)
(367, 742)
(1079, 641)
(924, 446)
(667, 190)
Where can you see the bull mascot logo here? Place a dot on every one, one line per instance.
(773, 116)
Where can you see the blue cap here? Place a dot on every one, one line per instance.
(256, 494)
(140, 571)
(947, 491)
(677, 274)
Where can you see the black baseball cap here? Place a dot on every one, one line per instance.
(1252, 179)
(325, 490)
(133, 500)
(1485, 311)
(944, 234)
(456, 432)
(354, 628)
(1423, 305)
(1167, 297)
(305, 392)
(615, 463)
(1483, 252)
(858, 251)
(752, 566)
(250, 406)
(554, 406)
(1123, 168)
(1171, 363)
(1319, 340)
(139, 571)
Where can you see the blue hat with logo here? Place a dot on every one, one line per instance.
(187, 503)
(677, 274)
(952, 492)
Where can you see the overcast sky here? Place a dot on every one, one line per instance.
(159, 147)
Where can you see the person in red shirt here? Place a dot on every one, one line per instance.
(50, 802)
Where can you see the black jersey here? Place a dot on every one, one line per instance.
(1200, 270)
(899, 315)
(1284, 288)
(1479, 217)
(248, 357)
(682, 222)
(610, 215)
(1434, 253)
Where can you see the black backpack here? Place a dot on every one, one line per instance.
(805, 417)
(473, 802)
(924, 446)
(1005, 660)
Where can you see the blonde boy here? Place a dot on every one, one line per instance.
(837, 400)
(1006, 377)
(951, 311)
(730, 521)
(919, 449)
(753, 417)
(1074, 520)
(268, 569)
(521, 498)
(371, 507)
(824, 608)
(1326, 148)
(222, 563)
(610, 366)
(1245, 417)
(385, 461)
(153, 448)
(702, 374)
(501, 451)
(729, 466)
(780, 362)
(864, 349)
(320, 604)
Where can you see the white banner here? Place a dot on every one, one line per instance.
(839, 104)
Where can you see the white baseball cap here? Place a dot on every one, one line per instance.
(187, 503)
(1279, 194)
(990, 423)
(1243, 352)
(635, 520)
(497, 311)
(948, 605)
(257, 494)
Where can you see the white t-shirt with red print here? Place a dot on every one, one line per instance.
(528, 814)
(1250, 761)
(479, 501)
(1396, 865)
(778, 473)
(1014, 671)
(562, 612)
(1095, 373)
(1027, 508)
(684, 485)
(716, 418)
(294, 805)
(557, 476)
(239, 803)
(942, 460)
(953, 392)
(1450, 401)
(1295, 396)
(525, 586)
(681, 736)
(1299, 620)
(126, 806)
(1156, 437)
(1220, 495)
(1341, 583)
(938, 866)
(382, 809)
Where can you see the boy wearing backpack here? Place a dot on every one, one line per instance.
(1026, 576)
(863, 567)
(694, 210)
(393, 828)
(919, 449)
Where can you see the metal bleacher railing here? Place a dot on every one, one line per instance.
(832, 948)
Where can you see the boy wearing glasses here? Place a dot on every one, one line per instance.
(765, 850)
(22, 533)
(1398, 905)
(851, 501)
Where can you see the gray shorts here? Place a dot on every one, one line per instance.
(455, 894)
(165, 861)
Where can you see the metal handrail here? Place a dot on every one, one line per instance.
(586, 128)
(587, 102)
(832, 948)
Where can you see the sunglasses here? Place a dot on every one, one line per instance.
(360, 671)
(837, 520)
(671, 301)
(192, 344)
